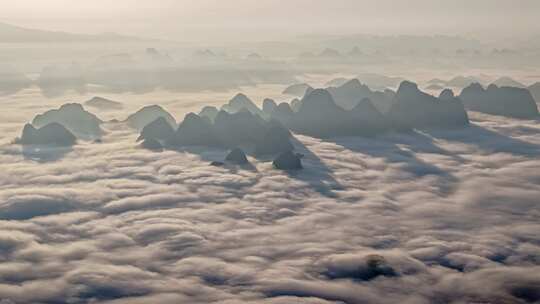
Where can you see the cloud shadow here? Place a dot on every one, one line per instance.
(315, 173)
(402, 149)
(487, 140)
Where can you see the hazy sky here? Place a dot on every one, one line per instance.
(169, 18)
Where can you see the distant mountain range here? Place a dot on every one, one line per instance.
(15, 34)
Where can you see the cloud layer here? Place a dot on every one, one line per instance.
(431, 216)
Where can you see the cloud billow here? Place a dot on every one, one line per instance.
(426, 216)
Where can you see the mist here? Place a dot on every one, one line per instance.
(248, 20)
(270, 152)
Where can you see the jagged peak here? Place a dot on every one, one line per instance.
(407, 86)
(152, 108)
(192, 117)
(476, 86)
(353, 84)
(240, 96)
(159, 121)
(319, 95)
(492, 87)
(284, 107)
(365, 102)
(28, 128)
(72, 106)
(446, 94)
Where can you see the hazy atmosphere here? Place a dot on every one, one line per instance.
(299, 151)
(184, 20)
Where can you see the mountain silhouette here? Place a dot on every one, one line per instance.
(283, 113)
(351, 92)
(504, 101)
(535, 91)
(368, 119)
(209, 112)
(237, 157)
(318, 115)
(435, 87)
(153, 56)
(75, 118)
(296, 104)
(288, 161)
(413, 108)
(152, 145)
(276, 140)
(239, 102)
(227, 130)
(337, 82)
(462, 81)
(148, 114)
(446, 94)
(379, 82)
(269, 105)
(204, 54)
(103, 104)
(195, 131)
(300, 89)
(15, 34)
(239, 128)
(52, 134)
(159, 129)
(506, 81)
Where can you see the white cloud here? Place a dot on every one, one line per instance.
(454, 213)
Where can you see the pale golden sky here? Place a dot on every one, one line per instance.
(172, 17)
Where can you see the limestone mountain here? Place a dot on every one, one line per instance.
(239, 102)
(288, 161)
(75, 118)
(195, 131)
(148, 114)
(298, 90)
(210, 112)
(353, 91)
(52, 134)
(413, 108)
(103, 104)
(237, 157)
(159, 129)
(505, 101)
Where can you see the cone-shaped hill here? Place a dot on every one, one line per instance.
(73, 117)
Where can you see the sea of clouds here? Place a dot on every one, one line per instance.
(454, 213)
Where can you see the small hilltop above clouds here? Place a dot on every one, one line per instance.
(159, 129)
(74, 117)
(52, 134)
